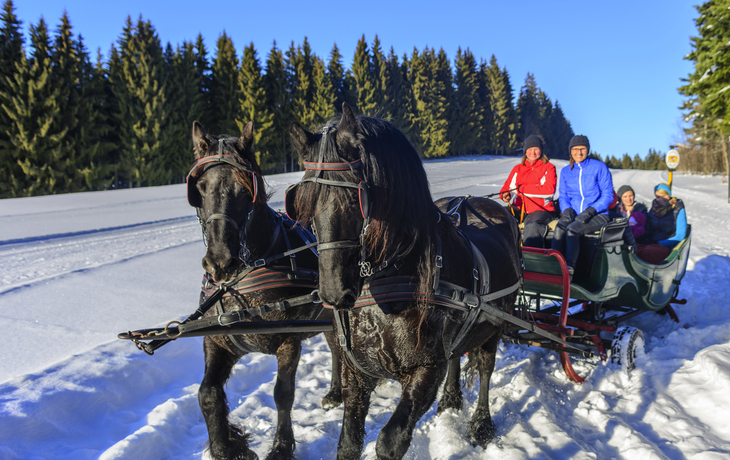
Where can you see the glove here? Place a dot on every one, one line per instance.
(586, 215)
(568, 216)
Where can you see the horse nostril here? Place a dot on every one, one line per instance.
(348, 300)
(232, 265)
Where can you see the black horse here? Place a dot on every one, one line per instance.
(248, 245)
(389, 260)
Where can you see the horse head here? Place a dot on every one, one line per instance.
(333, 196)
(360, 174)
(224, 185)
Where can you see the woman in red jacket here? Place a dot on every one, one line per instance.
(534, 181)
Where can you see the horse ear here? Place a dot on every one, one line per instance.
(300, 137)
(347, 128)
(200, 143)
(245, 142)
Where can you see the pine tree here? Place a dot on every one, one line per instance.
(528, 110)
(66, 65)
(278, 103)
(560, 133)
(204, 75)
(503, 133)
(626, 162)
(653, 160)
(137, 77)
(11, 54)
(225, 90)
(299, 67)
(379, 77)
(186, 102)
(32, 105)
(429, 93)
(465, 127)
(637, 162)
(336, 75)
(364, 81)
(95, 169)
(396, 93)
(255, 108)
(323, 101)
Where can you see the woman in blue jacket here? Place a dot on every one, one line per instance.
(585, 193)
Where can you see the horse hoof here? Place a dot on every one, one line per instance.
(482, 433)
(281, 453)
(331, 401)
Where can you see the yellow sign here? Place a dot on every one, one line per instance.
(672, 158)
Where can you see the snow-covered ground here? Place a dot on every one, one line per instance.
(77, 269)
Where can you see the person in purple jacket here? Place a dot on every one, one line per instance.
(585, 193)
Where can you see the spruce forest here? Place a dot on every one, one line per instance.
(71, 122)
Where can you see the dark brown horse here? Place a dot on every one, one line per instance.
(389, 258)
(247, 242)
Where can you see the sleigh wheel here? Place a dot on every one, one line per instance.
(568, 366)
(627, 345)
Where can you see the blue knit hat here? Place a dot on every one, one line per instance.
(664, 187)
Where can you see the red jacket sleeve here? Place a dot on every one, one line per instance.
(506, 185)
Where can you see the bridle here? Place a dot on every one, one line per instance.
(196, 201)
(362, 187)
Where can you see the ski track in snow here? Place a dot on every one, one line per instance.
(42, 259)
(114, 402)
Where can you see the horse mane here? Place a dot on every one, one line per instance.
(242, 177)
(403, 215)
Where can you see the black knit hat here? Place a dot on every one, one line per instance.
(623, 189)
(579, 140)
(532, 141)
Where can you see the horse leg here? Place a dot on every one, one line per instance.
(452, 397)
(334, 396)
(287, 357)
(419, 392)
(356, 390)
(225, 440)
(481, 426)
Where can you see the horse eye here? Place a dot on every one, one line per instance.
(201, 186)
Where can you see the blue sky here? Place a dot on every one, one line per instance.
(614, 67)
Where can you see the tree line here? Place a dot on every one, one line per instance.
(654, 161)
(705, 147)
(73, 122)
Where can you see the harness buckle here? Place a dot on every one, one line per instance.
(259, 263)
(439, 262)
(475, 273)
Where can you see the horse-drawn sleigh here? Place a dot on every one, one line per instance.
(410, 285)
